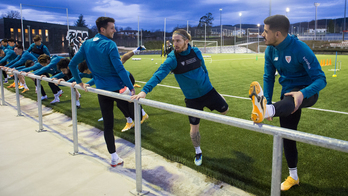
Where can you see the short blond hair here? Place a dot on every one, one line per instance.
(184, 34)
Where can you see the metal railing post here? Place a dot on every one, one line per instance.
(19, 113)
(2, 89)
(39, 105)
(138, 171)
(74, 121)
(276, 165)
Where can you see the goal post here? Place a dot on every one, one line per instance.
(206, 47)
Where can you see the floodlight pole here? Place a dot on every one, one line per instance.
(187, 27)
(164, 39)
(240, 24)
(22, 26)
(67, 19)
(235, 38)
(315, 30)
(220, 32)
(258, 36)
(344, 20)
(138, 32)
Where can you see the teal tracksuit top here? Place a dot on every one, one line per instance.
(104, 61)
(297, 66)
(194, 83)
(41, 47)
(21, 59)
(51, 68)
(10, 55)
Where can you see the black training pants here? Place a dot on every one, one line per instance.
(53, 87)
(107, 110)
(283, 109)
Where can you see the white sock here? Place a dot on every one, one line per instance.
(78, 103)
(6, 80)
(270, 111)
(114, 156)
(293, 173)
(143, 112)
(129, 120)
(25, 85)
(21, 83)
(198, 150)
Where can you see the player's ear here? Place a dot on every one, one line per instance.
(277, 34)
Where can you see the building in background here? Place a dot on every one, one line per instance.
(55, 36)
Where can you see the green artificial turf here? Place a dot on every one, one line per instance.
(237, 156)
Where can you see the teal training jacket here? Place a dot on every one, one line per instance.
(104, 61)
(297, 66)
(194, 83)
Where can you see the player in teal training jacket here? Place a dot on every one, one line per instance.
(188, 66)
(301, 79)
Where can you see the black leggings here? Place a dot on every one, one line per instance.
(107, 110)
(283, 109)
(4, 72)
(53, 87)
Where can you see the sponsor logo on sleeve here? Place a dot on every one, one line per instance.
(308, 64)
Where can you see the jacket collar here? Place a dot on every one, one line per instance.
(284, 43)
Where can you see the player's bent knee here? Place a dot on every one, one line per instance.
(225, 112)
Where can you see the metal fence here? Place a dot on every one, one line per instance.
(277, 132)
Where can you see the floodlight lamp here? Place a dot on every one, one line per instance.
(316, 4)
(240, 13)
(287, 9)
(258, 25)
(220, 9)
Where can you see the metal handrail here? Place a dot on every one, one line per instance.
(278, 132)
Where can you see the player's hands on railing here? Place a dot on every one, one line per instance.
(142, 94)
(137, 50)
(83, 85)
(43, 76)
(53, 79)
(59, 80)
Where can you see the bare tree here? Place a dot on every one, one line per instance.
(12, 14)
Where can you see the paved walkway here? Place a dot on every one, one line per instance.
(33, 163)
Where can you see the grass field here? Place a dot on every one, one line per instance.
(240, 157)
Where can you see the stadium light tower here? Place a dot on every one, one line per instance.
(344, 21)
(220, 31)
(258, 35)
(315, 29)
(287, 11)
(240, 26)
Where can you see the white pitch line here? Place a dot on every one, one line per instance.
(319, 109)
